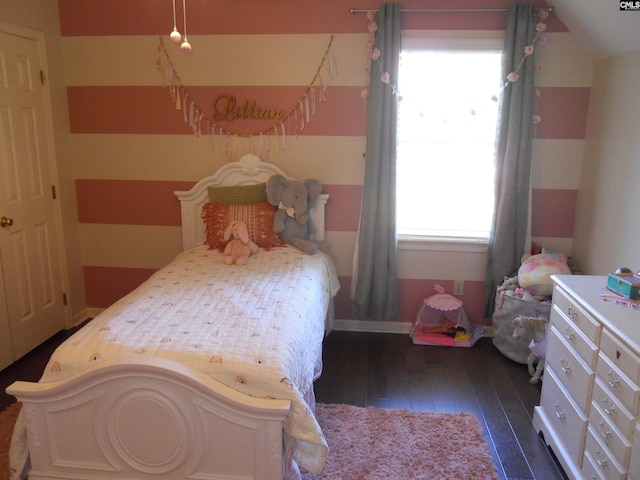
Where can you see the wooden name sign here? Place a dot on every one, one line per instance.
(226, 108)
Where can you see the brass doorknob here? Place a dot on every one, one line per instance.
(6, 222)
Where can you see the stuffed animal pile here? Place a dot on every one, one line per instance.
(534, 275)
(533, 281)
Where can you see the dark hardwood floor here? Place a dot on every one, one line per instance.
(30, 367)
(388, 371)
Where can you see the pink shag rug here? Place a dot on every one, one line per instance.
(394, 444)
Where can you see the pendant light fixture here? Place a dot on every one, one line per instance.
(186, 46)
(175, 34)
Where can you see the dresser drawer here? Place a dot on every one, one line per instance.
(564, 416)
(618, 383)
(572, 371)
(590, 469)
(593, 356)
(606, 463)
(578, 315)
(609, 435)
(634, 463)
(615, 411)
(621, 356)
(575, 337)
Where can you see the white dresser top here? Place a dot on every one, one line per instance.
(622, 321)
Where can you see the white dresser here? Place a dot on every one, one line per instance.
(590, 401)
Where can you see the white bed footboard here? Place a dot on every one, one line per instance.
(149, 418)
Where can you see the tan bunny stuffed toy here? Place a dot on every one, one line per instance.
(240, 248)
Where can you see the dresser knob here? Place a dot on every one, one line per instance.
(603, 461)
(569, 333)
(606, 434)
(612, 381)
(608, 409)
(559, 411)
(565, 366)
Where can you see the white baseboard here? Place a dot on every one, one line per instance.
(343, 325)
(373, 326)
(94, 312)
(84, 315)
(80, 318)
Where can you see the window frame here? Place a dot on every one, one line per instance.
(452, 41)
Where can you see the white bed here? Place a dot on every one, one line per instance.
(184, 379)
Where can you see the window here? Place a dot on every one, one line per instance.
(446, 132)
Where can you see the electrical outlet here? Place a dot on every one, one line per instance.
(458, 287)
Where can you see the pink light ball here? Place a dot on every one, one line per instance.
(185, 47)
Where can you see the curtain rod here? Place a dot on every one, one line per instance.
(444, 10)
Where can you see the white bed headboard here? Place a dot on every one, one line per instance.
(248, 170)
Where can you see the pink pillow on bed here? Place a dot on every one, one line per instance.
(258, 217)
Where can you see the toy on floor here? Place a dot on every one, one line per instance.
(441, 320)
(537, 328)
(449, 329)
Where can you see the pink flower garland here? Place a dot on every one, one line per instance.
(375, 57)
(528, 51)
(511, 77)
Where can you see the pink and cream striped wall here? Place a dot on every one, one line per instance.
(131, 149)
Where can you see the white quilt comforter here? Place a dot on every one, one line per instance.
(257, 328)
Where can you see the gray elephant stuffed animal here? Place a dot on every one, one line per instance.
(294, 199)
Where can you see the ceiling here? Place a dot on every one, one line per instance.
(600, 25)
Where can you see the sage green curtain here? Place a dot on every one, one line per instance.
(510, 229)
(375, 295)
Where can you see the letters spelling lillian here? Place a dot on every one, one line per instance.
(226, 109)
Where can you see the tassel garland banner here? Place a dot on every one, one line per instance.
(286, 123)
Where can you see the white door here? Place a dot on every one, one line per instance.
(6, 344)
(29, 224)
